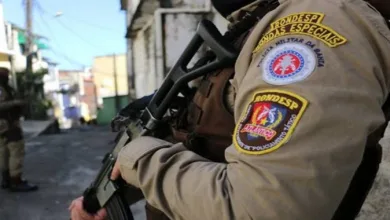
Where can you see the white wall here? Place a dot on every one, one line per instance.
(140, 63)
(4, 47)
(178, 30)
(20, 61)
(51, 80)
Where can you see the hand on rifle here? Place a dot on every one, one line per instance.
(77, 212)
(76, 208)
(116, 172)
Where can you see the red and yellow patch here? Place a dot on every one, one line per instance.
(268, 121)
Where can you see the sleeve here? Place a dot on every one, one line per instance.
(310, 83)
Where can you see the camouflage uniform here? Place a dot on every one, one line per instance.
(11, 139)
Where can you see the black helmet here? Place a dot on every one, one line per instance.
(226, 7)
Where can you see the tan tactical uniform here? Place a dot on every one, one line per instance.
(11, 151)
(310, 83)
(12, 156)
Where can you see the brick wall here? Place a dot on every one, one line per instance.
(89, 96)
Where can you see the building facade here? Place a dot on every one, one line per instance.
(110, 75)
(158, 32)
(78, 96)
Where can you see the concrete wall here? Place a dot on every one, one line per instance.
(103, 73)
(142, 61)
(89, 97)
(51, 87)
(5, 51)
(177, 31)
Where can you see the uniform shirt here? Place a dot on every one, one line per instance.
(310, 82)
(11, 108)
(4, 94)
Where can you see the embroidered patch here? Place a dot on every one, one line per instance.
(288, 63)
(310, 44)
(306, 23)
(268, 121)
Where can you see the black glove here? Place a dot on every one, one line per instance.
(129, 113)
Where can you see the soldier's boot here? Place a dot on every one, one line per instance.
(17, 184)
(5, 181)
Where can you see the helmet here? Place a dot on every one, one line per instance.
(225, 8)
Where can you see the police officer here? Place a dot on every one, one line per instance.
(11, 138)
(310, 86)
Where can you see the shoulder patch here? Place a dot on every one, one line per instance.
(268, 121)
(288, 63)
(305, 23)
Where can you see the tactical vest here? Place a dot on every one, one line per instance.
(11, 116)
(206, 127)
(6, 95)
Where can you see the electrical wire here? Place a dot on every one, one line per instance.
(56, 52)
(52, 36)
(79, 36)
(43, 11)
(91, 24)
(71, 61)
(87, 23)
(67, 58)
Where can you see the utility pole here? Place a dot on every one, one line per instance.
(13, 73)
(29, 53)
(29, 20)
(117, 102)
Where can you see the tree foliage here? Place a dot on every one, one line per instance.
(31, 88)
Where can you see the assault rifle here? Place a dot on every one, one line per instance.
(116, 196)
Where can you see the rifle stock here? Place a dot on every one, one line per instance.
(104, 192)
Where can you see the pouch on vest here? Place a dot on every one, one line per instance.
(205, 124)
(200, 137)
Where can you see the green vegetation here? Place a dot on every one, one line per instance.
(30, 88)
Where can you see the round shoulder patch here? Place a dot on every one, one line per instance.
(288, 63)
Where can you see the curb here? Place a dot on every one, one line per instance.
(51, 128)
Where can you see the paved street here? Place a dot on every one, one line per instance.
(378, 201)
(63, 165)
